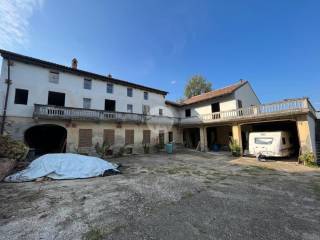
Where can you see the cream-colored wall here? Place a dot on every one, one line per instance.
(226, 103)
(16, 127)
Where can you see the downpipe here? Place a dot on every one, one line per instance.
(4, 114)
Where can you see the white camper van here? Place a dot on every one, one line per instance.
(271, 144)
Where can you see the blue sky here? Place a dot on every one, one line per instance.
(273, 44)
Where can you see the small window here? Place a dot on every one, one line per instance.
(239, 104)
(146, 109)
(21, 96)
(129, 92)
(109, 88)
(53, 77)
(263, 141)
(284, 141)
(170, 137)
(188, 112)
(129, 108)
(160, 112)
(145, 95)
(87, 83)
(109, 105)
(56, 98)
(87, 103)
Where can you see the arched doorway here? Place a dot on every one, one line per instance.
(46, 138)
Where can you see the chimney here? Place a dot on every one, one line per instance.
(74, 63)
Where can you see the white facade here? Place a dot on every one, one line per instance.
(244, 93)
(35, 79)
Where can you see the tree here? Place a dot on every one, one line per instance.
(196, 86)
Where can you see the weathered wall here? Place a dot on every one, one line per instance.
(16, 127)
(306, 133)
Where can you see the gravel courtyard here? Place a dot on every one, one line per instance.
(187, 195)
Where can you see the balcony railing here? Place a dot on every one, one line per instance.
(292, 106)
(283, 108)
(68, 113)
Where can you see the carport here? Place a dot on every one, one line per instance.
(218, 137)
(191, 137)
(271, 126)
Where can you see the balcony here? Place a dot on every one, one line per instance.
(80, 114)
(277, 109)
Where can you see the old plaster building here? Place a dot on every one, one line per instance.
(57, 108)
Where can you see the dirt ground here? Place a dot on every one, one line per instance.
(186, 195)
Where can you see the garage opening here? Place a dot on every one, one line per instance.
(218, 138)
(191, 137)
(287, 126)
(48, 138)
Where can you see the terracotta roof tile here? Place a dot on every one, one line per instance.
(215, 93)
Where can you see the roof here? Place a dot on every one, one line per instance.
(175, 104)
(214, 94)
(54, 66)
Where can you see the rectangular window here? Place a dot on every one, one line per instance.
(146, 109)
(146, 136)
(160, 112)
(170, 136)
(108, 136)
(87, 103)
(87, 83)
(263, 141)
(109, 88)
(109, 105)
(85, 138)
(239, 104)
(145, 95)
(188, 112)
(129, 92)
(56, 98)
(54, 77)
(129, 108)
(129, 136)
(21, 96)
(215, 107)
(283, 141)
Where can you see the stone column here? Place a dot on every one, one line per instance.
(306, 133)
(203, 139)
(236, 134)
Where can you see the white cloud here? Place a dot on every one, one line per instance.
(173, 82)
(14, 21)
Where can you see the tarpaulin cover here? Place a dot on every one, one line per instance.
(63, 166)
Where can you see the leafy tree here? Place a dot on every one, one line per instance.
(196, 86)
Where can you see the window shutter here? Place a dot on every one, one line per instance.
(108, 136)
(129, 136)
(146, 136)
(85, 137)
